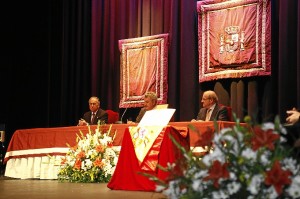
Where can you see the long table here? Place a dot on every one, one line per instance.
(36, 153)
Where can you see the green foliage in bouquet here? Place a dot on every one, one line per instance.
(245, 161)
(93, 159)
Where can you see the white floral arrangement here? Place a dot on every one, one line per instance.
(245, 161)
(93, 159)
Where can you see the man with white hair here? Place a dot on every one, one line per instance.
(95, 114)
(150, 102)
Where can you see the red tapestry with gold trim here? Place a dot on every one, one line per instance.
(144, 67)
(234, 39)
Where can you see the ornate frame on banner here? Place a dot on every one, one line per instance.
(144, 67)
(234, 39)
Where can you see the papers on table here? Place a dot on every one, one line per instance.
(157, 117)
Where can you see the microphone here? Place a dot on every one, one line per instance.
(121, 120)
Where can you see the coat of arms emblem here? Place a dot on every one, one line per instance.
(233, 40)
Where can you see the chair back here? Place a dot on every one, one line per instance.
(229, 112)
(112, 116)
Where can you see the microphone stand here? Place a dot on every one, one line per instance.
(121, 120)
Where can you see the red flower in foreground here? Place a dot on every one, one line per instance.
(263, 138)
(277, 177)
(77, 164)
(216, 172)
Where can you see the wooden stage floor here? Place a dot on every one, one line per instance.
(49, 189)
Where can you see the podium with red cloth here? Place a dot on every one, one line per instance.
(129, 170)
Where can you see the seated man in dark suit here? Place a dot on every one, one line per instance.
(211, 109)
(95, 114)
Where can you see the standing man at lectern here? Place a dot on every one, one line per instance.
(95, 114)
(211, 109)
(150, 101)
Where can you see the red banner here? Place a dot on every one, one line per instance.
(234, 39)
(144, 67)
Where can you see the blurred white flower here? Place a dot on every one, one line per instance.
(255, 184)
(245, 161)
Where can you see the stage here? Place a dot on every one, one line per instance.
(51, 189)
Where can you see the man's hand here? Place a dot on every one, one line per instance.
(193, 120)
(293, 116)
(82, 122)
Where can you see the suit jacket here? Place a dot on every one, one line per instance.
(219, 113)
(141, 114)
(100, 115)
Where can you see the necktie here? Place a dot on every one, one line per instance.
(93, 117)
(207, 115)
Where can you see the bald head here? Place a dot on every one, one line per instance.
(209, 98)
(211, 95)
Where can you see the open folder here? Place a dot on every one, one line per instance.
(144, 135)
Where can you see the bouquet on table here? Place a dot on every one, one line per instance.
(245, 161)
(93, 159)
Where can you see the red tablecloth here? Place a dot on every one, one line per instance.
(52, 141)
(128, 175)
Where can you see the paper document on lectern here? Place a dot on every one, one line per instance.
(157, 117)
(151, 125)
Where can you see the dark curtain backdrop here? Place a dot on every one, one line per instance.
(57, 53)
